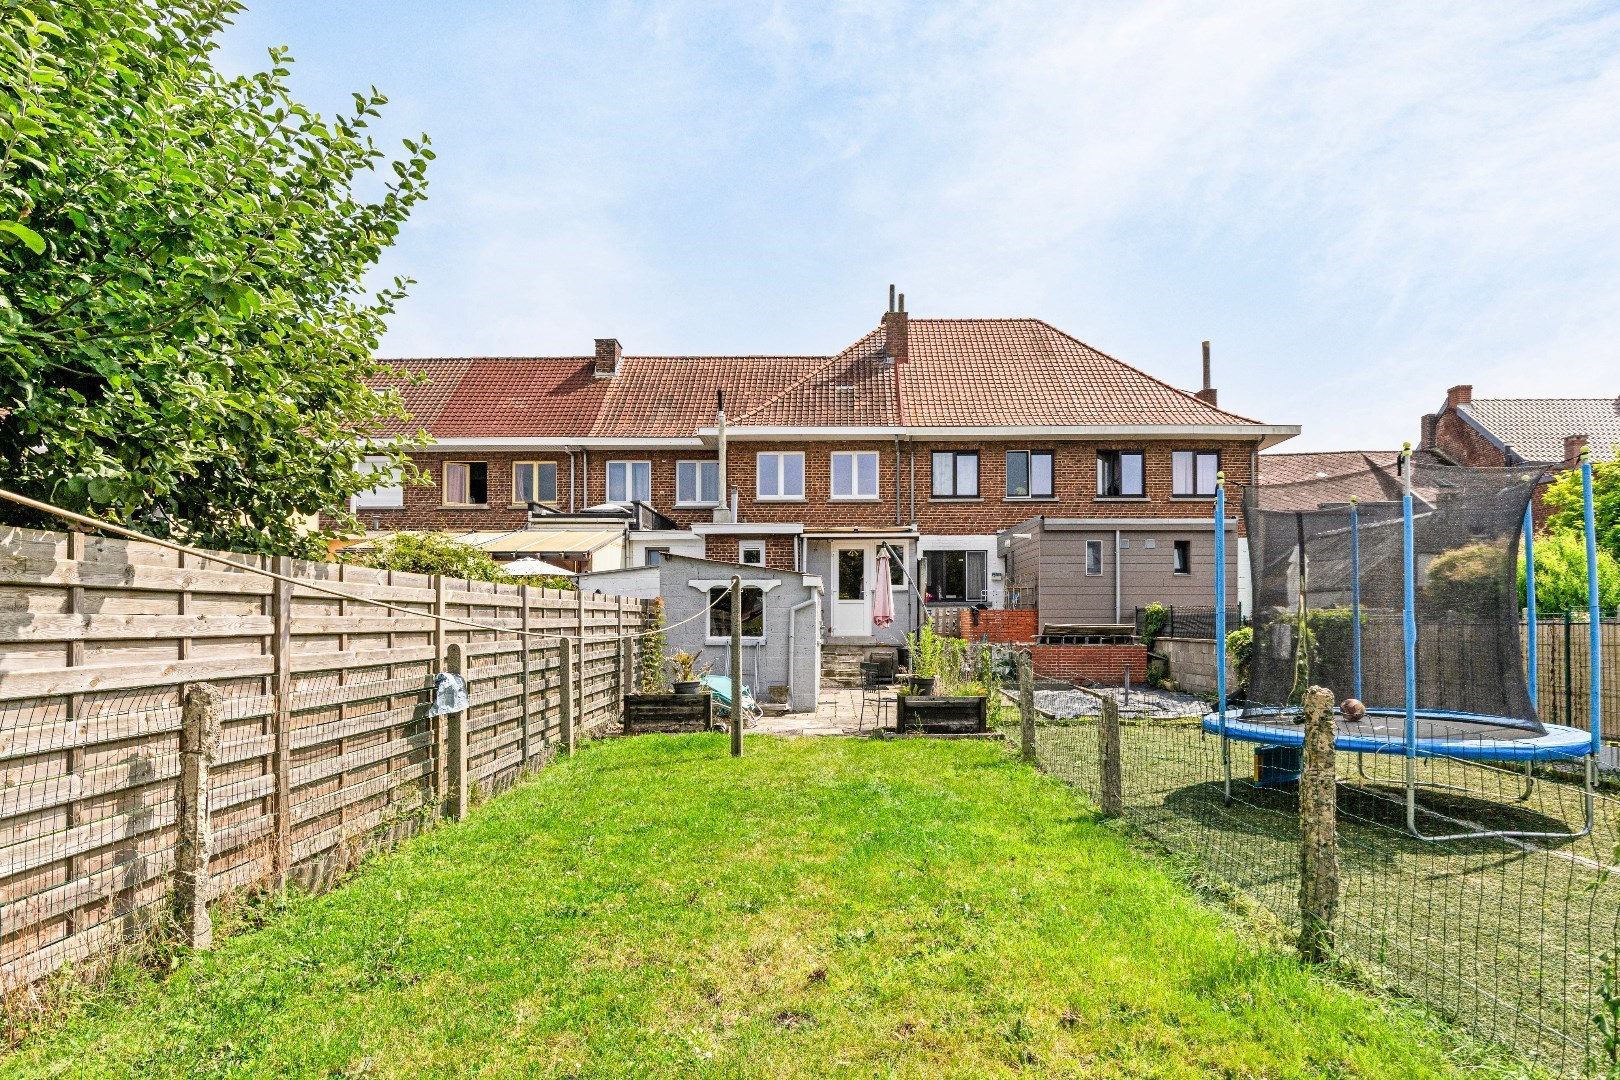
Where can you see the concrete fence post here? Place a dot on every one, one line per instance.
(1026, 705)
(1318, 830)
(194, 839)
(1108, 752)
(281, 714)
(736, 667)
(565, 702)
(455, 738)
(524, 711)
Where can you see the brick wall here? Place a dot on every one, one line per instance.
(998, 625)
(1100, 664)
(1461, 442)
(1074, 481)
(779, 551)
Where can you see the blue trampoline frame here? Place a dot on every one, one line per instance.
(1559, 743)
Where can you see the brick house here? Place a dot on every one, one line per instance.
(937, 439)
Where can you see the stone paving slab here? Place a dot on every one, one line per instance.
(837, 713)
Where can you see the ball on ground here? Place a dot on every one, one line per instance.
(1351, 709)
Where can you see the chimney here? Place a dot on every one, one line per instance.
(1427, 440)
(1208, 392)
(1573, 445)
(608, 355)
(1459, 395)
(896, 347)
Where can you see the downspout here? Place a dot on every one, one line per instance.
(720, 445)
(912, 447)
(585, 478)
(571, 482)
(1117, 610)
(793, 620)
(897, 478)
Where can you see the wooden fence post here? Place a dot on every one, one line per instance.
(455, 662)
(566, 698)
(523, 735)
(281, 718)
(736, 667)
(1026, 705)
(1113, 799)
(1318, 830)
(193, 839)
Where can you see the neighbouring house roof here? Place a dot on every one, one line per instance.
(1308, 481)
(957, 373)
(1535, 428)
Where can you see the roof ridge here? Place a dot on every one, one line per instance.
(1147, 375)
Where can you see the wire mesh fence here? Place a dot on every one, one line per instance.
(1504, 936)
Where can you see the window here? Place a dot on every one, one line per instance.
(855, 475)
(1119, 473)
(1029, 474)
(1183, 563)
(897, 569)
(389, 494)
(629, 481)
(751, 553)
(1192, 472)
(466, 483)
(955, 576)
(753, 612)
(656, 555)
(697, 483)
(956, 474)
(534, 481)
(780, 476)
(1094, 558)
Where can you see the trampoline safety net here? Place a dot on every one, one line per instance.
(1313, 570)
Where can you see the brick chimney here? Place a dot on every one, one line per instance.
(1427, 441)
(608, 355)
(1459, 395)
(896, 331)
(1573, 445)
(1208, 392)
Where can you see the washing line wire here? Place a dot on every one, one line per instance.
(313, 586)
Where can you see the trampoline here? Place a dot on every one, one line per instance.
(1412, 608)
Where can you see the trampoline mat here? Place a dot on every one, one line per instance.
(1460, 735)
(1391, 726)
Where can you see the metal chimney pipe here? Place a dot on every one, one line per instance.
(1206, 365)
(891, 297)
(902, 301)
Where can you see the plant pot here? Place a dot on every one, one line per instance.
(693, 687)
(922, 684)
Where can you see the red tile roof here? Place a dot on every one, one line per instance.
(959, 373)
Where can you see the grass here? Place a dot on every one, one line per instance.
(821, 908)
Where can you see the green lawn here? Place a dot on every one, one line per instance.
(822, 907)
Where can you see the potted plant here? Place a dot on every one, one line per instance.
(688, 669)
(927, 650)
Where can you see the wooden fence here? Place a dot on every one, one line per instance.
(327, 744)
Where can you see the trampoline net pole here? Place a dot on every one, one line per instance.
(1355, 596)
(1220, 597)
(1594, 623)
(1408, 605)
(1532, 675)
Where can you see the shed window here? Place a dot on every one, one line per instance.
(753, 612)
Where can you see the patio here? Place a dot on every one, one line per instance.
(838, 712)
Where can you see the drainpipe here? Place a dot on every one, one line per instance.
(1117, 611)
(571, 507)
(720, 445)
(585, 478)
(897, 478)
(793, 619)
(911, 446)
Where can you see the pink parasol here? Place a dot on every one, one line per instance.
(882, 596)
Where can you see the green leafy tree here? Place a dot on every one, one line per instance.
(185, 337)
(436, 553)
(1561, 574)
(1565, 497)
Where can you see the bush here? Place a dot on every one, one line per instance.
(1155, 617)
(1240, 647)
(435, 553)
(1561, 574)
(1467, 579)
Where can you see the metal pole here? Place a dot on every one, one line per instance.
(736, 667)
(1220, 623)
(1594, 623)
(1355, 595)
(1532, 657)
(1409, 635)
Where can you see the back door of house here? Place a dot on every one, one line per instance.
(852, 603)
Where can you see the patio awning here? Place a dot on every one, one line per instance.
(564, 543)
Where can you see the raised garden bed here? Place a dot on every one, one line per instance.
(940, 715)
(647, 714)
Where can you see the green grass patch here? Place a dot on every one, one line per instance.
(821, 907)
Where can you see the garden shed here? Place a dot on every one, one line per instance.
(782, 629)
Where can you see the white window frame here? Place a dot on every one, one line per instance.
(1094, 557)
(779, 474)
(1195, 459)
(628, 465)
(536, 466)
(1029, 473)
(444, 490)
(955, 491)
(698, 466)
(1102, 492)
(389, 496)
(745, 546)
(856, 494)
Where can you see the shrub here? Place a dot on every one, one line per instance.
(1155, 617)
(1240, 647)
(1561, 574)
(436, 553)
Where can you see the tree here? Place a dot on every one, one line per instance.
(1565, 497)
(1561, 574)
(185, 339)
(435, 553)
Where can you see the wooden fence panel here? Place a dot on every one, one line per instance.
(326, 739)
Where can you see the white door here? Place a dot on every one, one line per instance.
(852, 592)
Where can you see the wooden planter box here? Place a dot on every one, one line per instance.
(940, 715)
(668, 713)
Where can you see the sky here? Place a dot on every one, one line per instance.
(1359, 205)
